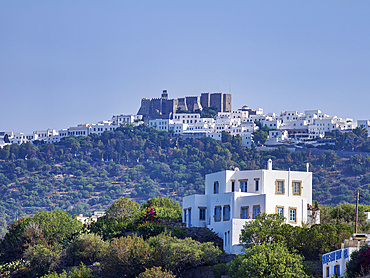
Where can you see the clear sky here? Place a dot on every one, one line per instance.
(68, 62)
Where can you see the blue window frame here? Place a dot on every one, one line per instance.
(245, 213)
(217, 213)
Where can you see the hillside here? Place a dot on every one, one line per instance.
(83, 174)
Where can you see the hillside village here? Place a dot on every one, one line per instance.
(183, 118)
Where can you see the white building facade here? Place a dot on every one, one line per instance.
(233, 197)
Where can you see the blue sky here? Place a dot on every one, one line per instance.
(69, 62)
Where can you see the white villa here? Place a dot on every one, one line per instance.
(233, 197)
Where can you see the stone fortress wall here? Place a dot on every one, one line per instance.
(164, 107)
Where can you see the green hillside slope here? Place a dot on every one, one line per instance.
(83, 174)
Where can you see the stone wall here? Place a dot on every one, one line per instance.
(172, 222)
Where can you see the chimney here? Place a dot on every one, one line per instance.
(269, 164)
(307, 167)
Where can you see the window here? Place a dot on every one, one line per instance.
(232, 186)
(327, 271)
(189, 217)
(216, 187)
(293, 215)
(202, 214)
(243, 185)
(256, 184)
(184, 215)
(337, 269)
(244, 213)
(256, 211)
(296, 188)
(280, 210)
(279, 189)
(217, 214)
(226, 213)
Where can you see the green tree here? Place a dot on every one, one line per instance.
(126, 257)
(57, 225)
(166, 208)
(267, 260)
(265, 228)
(260, 137)
(87, 248)
(43, 259)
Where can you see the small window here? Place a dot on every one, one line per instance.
(293, 215)
(337, 269)
(226, 213)
(216, 188)
(244, 186)
(256, 211)
(279, 187)
(232, 186)
(256, 185)
(184, 215)
(296, 188)
(280, 211)
(217, 214)
(244, 213)
(327, 271)
(202, 214)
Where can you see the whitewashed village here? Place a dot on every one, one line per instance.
(232, 197)
(290, 127)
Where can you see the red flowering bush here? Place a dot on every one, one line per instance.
(149, 216)
(359, 265)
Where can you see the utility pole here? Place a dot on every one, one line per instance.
(357, 198)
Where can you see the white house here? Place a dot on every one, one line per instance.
(233, 197)
(335, 262)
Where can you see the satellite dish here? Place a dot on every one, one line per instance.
(237, 169)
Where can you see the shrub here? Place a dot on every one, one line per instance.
(87, 248)
(267, 260)
(359, 265)
(166, 208)
(176, 254)
(126, 257)
(7, 269)
(180, 232)
(219, 270)
(147, 230)
(81, 272)
(156, 272)
(43, 259)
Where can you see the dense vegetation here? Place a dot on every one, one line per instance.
(51, 241)
(84, 174)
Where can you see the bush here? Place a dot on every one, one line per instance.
(267, 260)
(166, 208)
(126, 257)
(87, 248)
(81, 272)
(219, 270)
(177, 254)
(180, 232)
(43, 259)
(359, 265)
(156, 272)
(147, 230)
